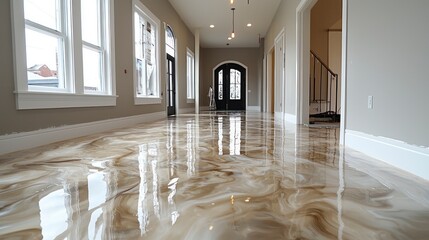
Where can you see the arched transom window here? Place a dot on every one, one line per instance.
(169, 40)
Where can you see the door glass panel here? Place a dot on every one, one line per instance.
(170, 83)
(232, 91)
(171, 90)
(235, 84)
(220, 85)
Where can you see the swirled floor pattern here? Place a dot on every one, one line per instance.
(217, 175)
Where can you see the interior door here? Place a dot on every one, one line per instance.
(171, 85)
(230, 87)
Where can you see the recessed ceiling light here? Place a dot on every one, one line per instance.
(249, 24)
(212, 26)
(229, 38)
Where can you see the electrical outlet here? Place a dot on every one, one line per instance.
(370, 102)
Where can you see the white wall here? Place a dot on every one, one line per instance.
(388, 52)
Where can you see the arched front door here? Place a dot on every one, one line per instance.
(230, 87)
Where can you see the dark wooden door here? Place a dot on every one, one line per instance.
(171, 85)
(230, 87)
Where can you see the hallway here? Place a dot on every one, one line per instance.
(217, 175)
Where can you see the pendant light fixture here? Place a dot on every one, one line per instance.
(233, 32)
(232, 1)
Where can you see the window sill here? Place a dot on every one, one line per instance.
(46, 100)
(147, 100)
(190, 100)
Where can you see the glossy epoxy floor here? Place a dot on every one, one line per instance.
(212, 176)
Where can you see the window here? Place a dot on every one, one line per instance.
(235, 84)
(170, 42)
(190, 75)
(54, 67)
(146, 55)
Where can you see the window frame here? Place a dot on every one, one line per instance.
(190, 86)
(143, 11)
(73, 95)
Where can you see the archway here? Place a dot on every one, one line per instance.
(230, 86)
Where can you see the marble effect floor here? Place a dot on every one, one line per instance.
(212, 176)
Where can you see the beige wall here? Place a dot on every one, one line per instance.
(323, 15)
(12, 120)
(335, 51)
(387, 58)
(250, 57)
(285, 18)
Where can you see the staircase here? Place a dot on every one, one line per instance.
(324, 91)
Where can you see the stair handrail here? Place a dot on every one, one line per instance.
(323, 64)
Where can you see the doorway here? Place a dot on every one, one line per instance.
(230, 87)
(270, 80)
(171, 71)
(328, 100)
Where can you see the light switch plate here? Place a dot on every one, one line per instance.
(370, 102)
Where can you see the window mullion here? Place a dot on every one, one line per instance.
(76, 61)
(103, 45)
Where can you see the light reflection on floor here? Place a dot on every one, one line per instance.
(217, 175)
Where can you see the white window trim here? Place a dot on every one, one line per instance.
(29, 98)
(137, 6)
(190, 53)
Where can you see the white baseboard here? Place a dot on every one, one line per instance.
(290, 118)
(186, 110)
(413, 159)
(20, 141)
(253, 108)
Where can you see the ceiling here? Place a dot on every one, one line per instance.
(200, 14)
